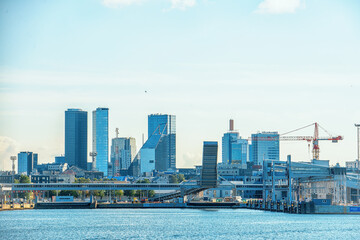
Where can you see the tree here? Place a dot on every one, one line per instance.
(82, 180)
(23, 179)
(144, 193)
(73, 193)
(173, 179)
(176, 178)
(129, 193)
(119, 193)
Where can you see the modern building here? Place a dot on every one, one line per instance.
(159, 151)
(235, 150)
(59, 159)
(26, 162)
(35, 160)
(100, 143)
(265, 146)
(123, 152)
(76, 138)
(209, 165)
(51, 167)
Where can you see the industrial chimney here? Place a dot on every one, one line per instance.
(231, 125)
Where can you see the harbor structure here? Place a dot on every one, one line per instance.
(76, 127)
(100, 140)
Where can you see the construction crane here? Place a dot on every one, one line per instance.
(314, 139)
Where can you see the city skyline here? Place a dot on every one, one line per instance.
(269, 67)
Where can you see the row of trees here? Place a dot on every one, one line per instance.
(176, 178)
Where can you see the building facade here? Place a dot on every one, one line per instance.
(265, 146)
(59, 159)
(159, 151)
(123, 151)
(209, 165)
(76, 138)
(100, 143)
(234, 149)
(26, 162)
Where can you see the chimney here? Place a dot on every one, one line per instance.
(231, 125)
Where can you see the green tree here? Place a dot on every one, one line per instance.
(129, 193)
(173, 179)
(119, 193)
(144, 193)
(82, 180)
(99, 193)
(180, 178)
(73, 193)
(176, 178)
(24, 179)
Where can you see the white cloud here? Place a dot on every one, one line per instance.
(117, 3)
(8, 147)
(279, 6)
(182, 4)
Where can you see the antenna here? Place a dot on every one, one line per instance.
(117, 132)
(143, 139)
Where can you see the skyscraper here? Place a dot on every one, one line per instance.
(26, 162)
(265, 146)
(159, 151)
(234, 148)
(123, 151)
(76, 138)
(209, 165)
(101, 139)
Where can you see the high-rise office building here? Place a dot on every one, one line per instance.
(234, 148)
(26, 162)
(265, 146)
(100, 143)
(76, 138)
(159, 151)
(209, 165)
(35, 160)
(123, 151)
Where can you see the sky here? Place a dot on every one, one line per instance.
(271, 65)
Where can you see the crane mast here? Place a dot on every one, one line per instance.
(314, 139)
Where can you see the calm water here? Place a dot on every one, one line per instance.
(174, 224)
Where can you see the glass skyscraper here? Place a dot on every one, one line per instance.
(123, 152)
(159, 151)
(235, 150)
(101, 138)
(26, 162)
(265, 146)
(76, 138)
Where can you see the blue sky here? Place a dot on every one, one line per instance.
(268, 64)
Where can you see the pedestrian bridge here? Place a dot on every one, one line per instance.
(125, 186)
